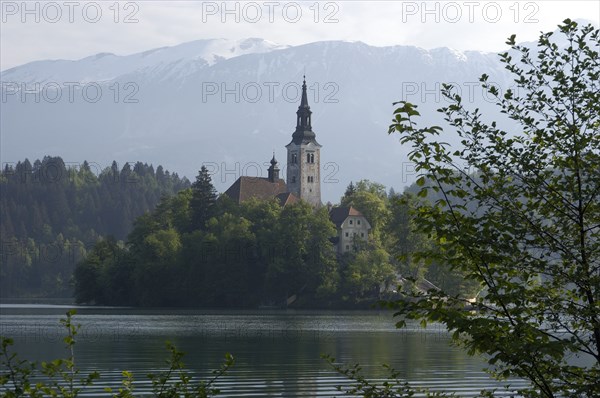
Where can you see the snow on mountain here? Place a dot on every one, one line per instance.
(183, 58)
(229, 104)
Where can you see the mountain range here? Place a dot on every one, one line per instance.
(230, 105)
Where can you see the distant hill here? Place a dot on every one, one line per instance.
(230, 104)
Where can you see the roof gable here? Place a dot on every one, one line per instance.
(338, 215)
(287, 198)
(255, 187)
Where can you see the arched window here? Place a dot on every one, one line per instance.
(308, 158)
(294, 158)
(312, 157)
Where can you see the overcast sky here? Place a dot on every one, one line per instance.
(73, 29)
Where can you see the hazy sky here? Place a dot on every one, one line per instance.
(72, 29)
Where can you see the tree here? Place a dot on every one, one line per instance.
(401, 237)
(302, 260)
(526, 226)
(370, 198)
(91, 277)
(349, 190)
(204, 196)
(367, 272)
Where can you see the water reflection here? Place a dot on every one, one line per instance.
(277, 352)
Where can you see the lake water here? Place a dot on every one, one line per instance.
(277, 352)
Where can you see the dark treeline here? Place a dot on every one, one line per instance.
(198, 249)
(52, 213)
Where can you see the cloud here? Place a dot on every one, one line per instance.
(40, 31)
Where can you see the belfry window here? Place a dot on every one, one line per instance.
(294, 158)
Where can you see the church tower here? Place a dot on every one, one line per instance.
(304, 157)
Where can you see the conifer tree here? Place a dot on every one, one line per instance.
(203, 200)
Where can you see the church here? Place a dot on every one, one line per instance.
(303, 176)
(303, 171)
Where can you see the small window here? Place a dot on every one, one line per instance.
(362, 234)
(308, 158)
(347, 247)
(358, 222)
(346, 234)
(350, 222)
(312, 157)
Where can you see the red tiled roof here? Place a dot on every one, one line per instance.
(255, 187)
(338, 215)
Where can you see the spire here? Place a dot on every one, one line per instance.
(303, 131)
(304, 101)
(273, 171)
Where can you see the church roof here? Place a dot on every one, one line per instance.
(287, 198)
(338, 215)
(255, 187)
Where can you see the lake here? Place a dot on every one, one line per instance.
(277, 352)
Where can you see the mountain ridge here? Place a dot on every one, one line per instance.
(172, 106)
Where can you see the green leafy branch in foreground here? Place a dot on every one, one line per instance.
(518, 212)
(393, 387)
(64, 376)
(176, 382)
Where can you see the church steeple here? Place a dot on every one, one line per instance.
(304, 111)
(304, 156)
(303, 131)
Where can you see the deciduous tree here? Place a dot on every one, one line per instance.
(526, 225)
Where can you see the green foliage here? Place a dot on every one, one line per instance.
(62, 374)
(368, 272)
(242, 256)
(52, 214)
(254, 253)
(203, 199)
(393, 387)
(526, 224)
(175, 382)
(61, 377)
(371, 199)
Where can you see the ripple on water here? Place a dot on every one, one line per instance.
(277, 352)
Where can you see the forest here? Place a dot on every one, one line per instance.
(133, 235)
(52, 213)
(203, 250)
